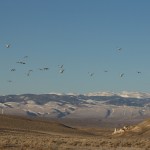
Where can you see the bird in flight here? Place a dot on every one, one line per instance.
(62, 71)
(121, 75)
(9, 81)
(7, 45)
(138, 72)
(20, 62)
(25, 57)
(28, 74)
(119, 49)
(60, 66)
(45, 68)
(90, 74)
(13, 69)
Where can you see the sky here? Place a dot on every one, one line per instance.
(83, 36)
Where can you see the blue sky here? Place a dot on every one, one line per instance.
(83, 35)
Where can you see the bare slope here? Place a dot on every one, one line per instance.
(142, 129)
(23, 133)
(35, 125)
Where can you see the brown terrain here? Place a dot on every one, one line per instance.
(20, 133)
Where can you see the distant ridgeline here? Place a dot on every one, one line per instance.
(76, 106)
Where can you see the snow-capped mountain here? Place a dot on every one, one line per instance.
(122, 94)
(101, 105)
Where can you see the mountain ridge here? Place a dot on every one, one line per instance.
(100, 105)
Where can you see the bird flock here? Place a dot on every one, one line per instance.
(23, 61)
(119, 49)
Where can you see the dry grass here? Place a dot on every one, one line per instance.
(41, 135)
(24, 141)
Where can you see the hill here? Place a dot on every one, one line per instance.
(25, 133)
(17, 123)
(142, 129)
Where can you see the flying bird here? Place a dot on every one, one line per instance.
(25, 57)
(119, 49)
(62, 70)
(138, 72)
(20, 62)
(13, 70)
(28, 74)
(45, 68)
(90, 74)
(61, 66)
(7, 45)
(121, 75)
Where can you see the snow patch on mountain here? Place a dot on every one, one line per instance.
(134, 94)
(100, 94)
(125, 94)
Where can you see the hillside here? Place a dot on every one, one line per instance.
(24, 133)
(24, 124)
(141, 129)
